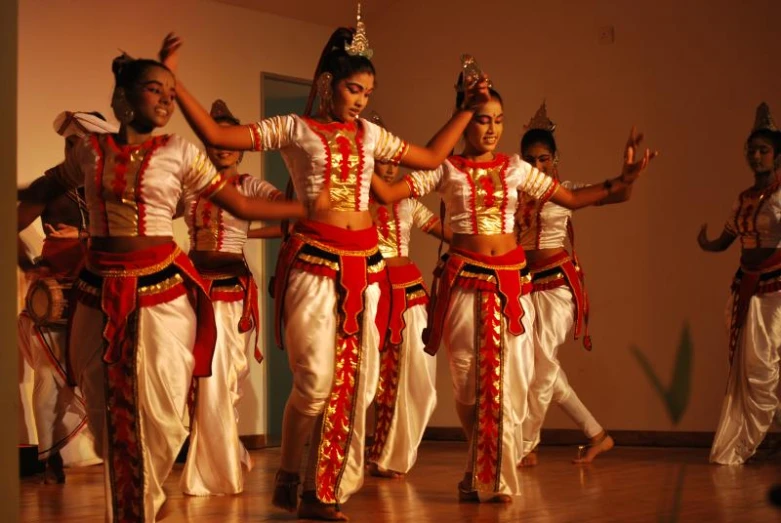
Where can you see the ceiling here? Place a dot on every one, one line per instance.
(330, 12)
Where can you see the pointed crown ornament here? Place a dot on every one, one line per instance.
(540, 120)
(360, 44)
(763, 121)
(220, 113)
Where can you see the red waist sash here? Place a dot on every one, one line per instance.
(407, 289)
(63, 256)
(349, 257)
(559, 270)
(471, 270)
(750, 281)
(119, 297)
(244, 290)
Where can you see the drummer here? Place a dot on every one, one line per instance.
(58, 409)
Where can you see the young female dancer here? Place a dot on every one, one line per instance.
(143, 324)
(483, 312)
(330, 271)
(751, 403)
(558, 294)
(216, 455)
(406, 394)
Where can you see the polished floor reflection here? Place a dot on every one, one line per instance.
(628, 484)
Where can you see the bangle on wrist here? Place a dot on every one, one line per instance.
(608, 185)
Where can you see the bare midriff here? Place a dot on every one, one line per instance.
(123, 244)
(485, 244)
(218, 261)
(351, 220)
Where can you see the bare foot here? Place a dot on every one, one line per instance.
(54, 472)
(467, 495)
(312, 508)
(285, 494)
(529, 460)
(377, 471)
(599, 444)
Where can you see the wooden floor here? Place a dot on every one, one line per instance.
(628, 484)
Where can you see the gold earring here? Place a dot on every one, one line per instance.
(325, 93)
(122, 108)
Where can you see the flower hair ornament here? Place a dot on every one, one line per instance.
(360, 43)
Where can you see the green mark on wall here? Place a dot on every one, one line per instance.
(676, 396)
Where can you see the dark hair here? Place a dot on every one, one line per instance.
(127, 71)
(335, 60)
(461, 94)
(774, 137)
(541, 136)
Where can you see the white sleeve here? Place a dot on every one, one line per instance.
(272, 133)
(423, 182)
(387, 146)
(254, 187)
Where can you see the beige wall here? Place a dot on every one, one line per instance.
(690, 75)
(65, 53)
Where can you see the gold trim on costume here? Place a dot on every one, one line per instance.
(549, 266)
(144, 271)
(316, 260)
(161, 287)
(496, 267)
(339, 252)
(408, 284)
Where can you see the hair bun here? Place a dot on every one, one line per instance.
(220, 112)
(120, 62)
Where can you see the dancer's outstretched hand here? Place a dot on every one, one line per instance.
(633, 165)
(477, 92)
(169, 51)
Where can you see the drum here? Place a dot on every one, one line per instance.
(47, 301)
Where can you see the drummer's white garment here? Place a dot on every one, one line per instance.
(58, 410)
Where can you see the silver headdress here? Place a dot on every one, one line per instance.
(764, 120)
(470, 73)
(540, 120)
(360, 44)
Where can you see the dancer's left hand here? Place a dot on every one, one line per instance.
(477, 93)
(632, 167)
(169, 51)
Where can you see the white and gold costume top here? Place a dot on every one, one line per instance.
(543, 225)
(756, 218)
(482, 197)
(335, 156)
(214, 229)
(133, 190)
(394, 224)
